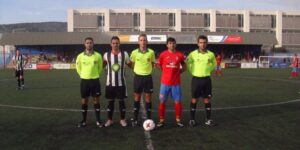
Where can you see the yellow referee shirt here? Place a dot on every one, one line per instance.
(142, 61)
(201, 64)
(89, 66)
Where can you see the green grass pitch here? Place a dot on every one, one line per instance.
(268, 127)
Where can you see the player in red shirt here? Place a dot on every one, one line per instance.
(218, 70)
(295, 66)
(171, 62)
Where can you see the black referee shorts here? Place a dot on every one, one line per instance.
(19, 73)
(143, 84)
(90, 87)
(115, 92)
(201, 87)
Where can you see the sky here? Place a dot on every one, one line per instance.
(20, 11)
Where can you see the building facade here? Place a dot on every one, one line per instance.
(284, 24)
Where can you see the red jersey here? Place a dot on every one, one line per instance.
(296, 61)
(170, 64)
(218, 60)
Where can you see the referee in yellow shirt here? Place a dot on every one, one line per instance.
(89, 66)
(201, 63)
(143, 59)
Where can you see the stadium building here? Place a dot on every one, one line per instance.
(284, 25)
(240, 33)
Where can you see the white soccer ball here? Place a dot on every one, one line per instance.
(148, 125)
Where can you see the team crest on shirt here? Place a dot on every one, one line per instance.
(95, 62)
(209, 60)
(115, 67)
(171, 64)
(148, 59)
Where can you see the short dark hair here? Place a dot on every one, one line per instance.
(171, 39)
(88, 38)
(115, 38)
(203, 37)
(143, 35)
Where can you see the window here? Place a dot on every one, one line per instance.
(206, 20)
(171, 19)
(241, 20)
(136, 19)
(273, 25)
(101, 21)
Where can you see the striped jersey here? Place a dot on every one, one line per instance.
(116, 68)
(19, 61)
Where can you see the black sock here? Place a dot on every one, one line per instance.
(148, 108)
(208, 110)
(110, 109)
(19, 83)
(97, 111)
(22, 81)
(84, 108)
(193, 110)
(136, 109)
(122, 108)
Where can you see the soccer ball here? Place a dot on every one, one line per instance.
(148, 125)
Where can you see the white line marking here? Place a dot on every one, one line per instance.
(8, 79)
(253, 106)
(146, 133)
(272, 79)
(169, 110)
(40, 108)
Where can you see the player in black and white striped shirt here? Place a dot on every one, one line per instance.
(19, 61)
(115, 60)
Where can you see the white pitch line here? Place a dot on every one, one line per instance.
(40, 108)
(253, 106)
(8, 79)
(272, 79)
(146, 133)
(169, 110)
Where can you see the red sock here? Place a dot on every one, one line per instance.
(293, 74)
(161, 110)
(178, 110)
(296, 74)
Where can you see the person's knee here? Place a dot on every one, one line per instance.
(206, 101)
(194, 100)
(137, 96)
(148, 97)
(84, 101)
(96, 100)
(177, 101)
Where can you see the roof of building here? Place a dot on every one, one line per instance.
(72, 38)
